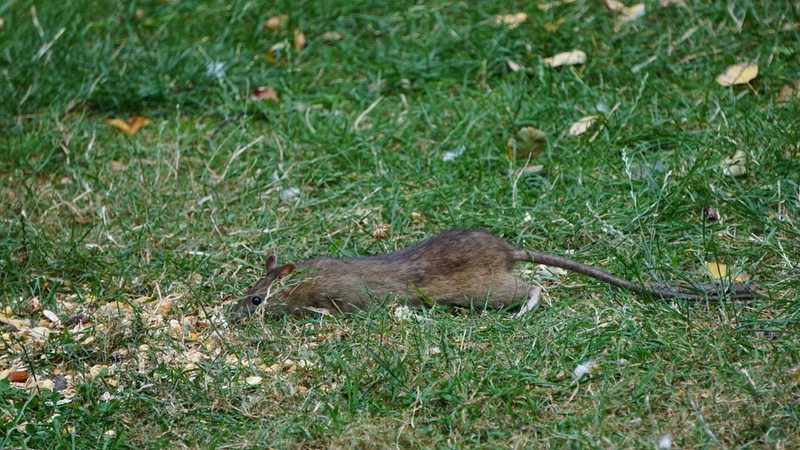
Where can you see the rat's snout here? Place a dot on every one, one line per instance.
(245, 307)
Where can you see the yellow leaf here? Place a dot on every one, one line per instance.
(299, 39)
(510, 20)
(717, 271)
(130, 127)
(553, 26)
(275, 23)
(566, 59)
(720, 271)
(582, 125)
(528, 142)
(738, 74)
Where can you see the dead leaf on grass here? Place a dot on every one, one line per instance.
(582, 125)
(331, 36)
(789, 93)
(17, 376)
(738, 74)
(720, 271)
(131, 127)
(555, 25)
(631, 13)
(299, 39)
(527, 143)
(510, 20)
(614, 6)
(550, 5)
(253, 380)
(264, 93)
(570, 58)
(275, 23)
(735, 165)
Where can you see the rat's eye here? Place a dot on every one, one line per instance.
(257, 300)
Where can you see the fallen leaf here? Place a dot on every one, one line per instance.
(275, 23)
(631, 13)
(738, 74)
(571, 58)
(665, 3)
(130, 127)
(614, 6)
(51, 316)
(582, 125)
(513, 66)
(299, 39)
(789, 93)
(720, 271)
(17, 376)
(528, 142)
(332, 36)
(553, 26)
(549, 5)
(264, 93)
(735, 165)
(253, 380)
(717, 270)
(510, 20)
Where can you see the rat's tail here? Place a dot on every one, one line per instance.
(662, 290)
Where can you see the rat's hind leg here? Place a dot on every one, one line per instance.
(534, 293)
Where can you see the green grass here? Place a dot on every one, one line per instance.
(182, 215)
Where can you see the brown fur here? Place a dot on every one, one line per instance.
(459, 268)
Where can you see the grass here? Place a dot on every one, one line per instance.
(150, 236)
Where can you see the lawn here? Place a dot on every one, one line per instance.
(154, 153)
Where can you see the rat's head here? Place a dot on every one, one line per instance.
(262, 291)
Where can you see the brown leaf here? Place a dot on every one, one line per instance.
(17, 376)
(789, 93)
(264, 93)
(299, 39)
(528, 142)
(275, 23)
(130, 127)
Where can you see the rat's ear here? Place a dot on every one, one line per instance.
(271, 264)
(285, 269)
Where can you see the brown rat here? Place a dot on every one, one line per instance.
(458, 267)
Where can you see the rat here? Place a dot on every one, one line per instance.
(459, 267)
